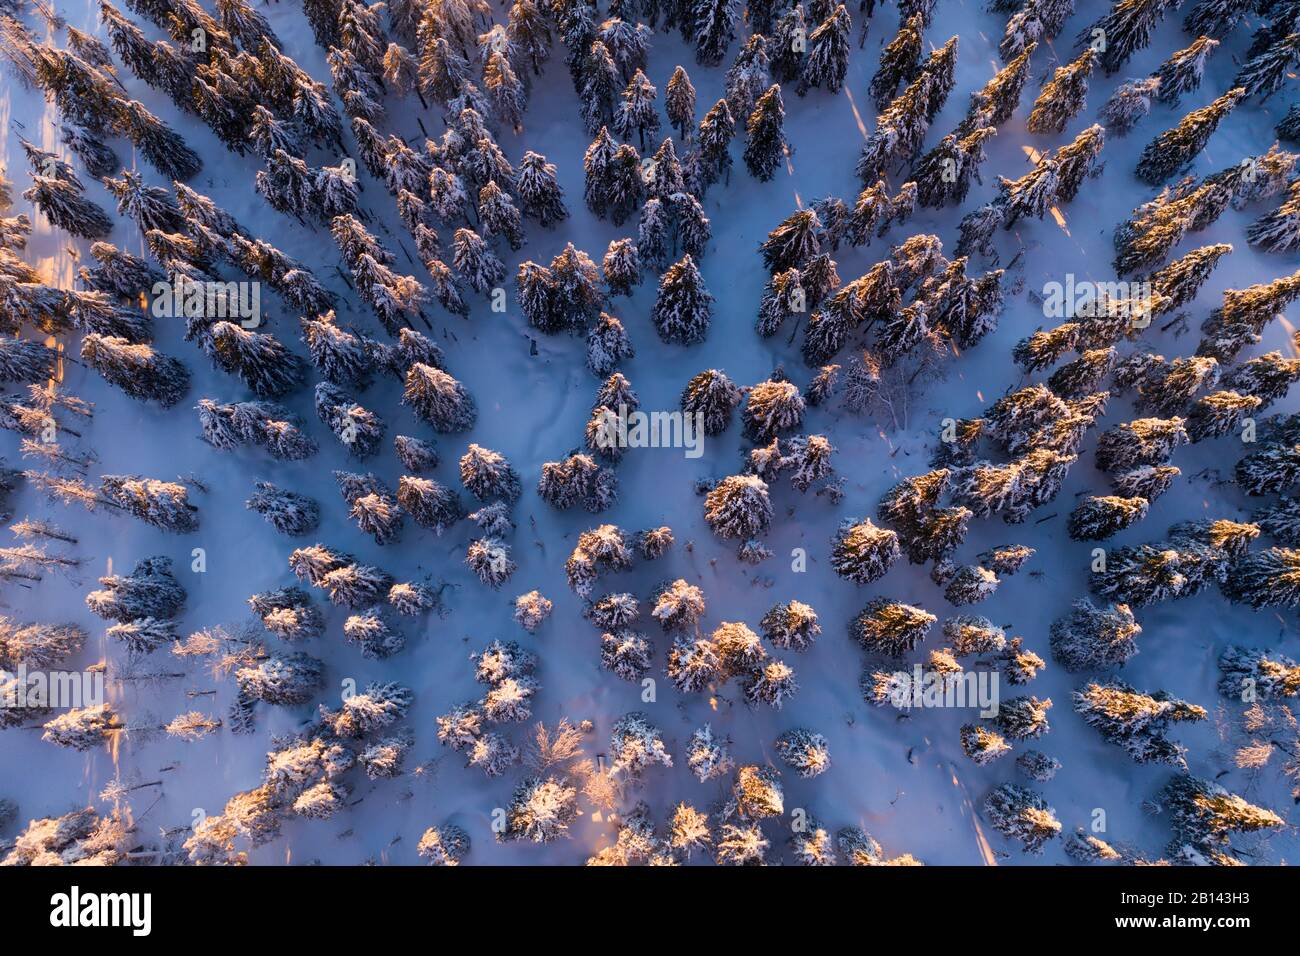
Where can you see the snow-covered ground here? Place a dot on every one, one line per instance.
(904, 779)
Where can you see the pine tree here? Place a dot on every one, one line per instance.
(477, 264)
(712, 395)
(970, 584)
(1278, 231)
(899, 62)
(891, 628)
(827, 62)
(1215, 18)
(716, 131)
(1135, 721)
(356, 427)
(901, 127)
(637, 112)
(1128, 105)
(1241, 318)
(438, 399)
(1204, 815)
(1021, 814)
(22, 360)
(767, 142)
(679, 102)
(1176, 148)
(714, 26)
(943, 175)
(288, 613)
(264, 363)
(578, 479)
(607, 345)
(772, 407)
(539, 190)
(1064, 96)
(1143, 441)
(138, 370)
(541, 810)
(862, 552)
(791, 244)
(791, 626)
(1182, 72)
(288, 512)
(1265, 72)
(652, 234)
(738, 507)
(1265, 579)
(994, 104)
(982, 745)
(1219, 414)
(1126, 29)
(1097, 518)
(683, 307)
(63, 204)
(1267, 675)
(163, 504)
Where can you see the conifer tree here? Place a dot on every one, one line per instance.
(1126, 29)
(714, 26)
(891, 628)
(63, 204)
(862, 552)
(163, 504)
(539, 190)
(993, 105)
(1265, 72)
(713, 395)
(138, 370)
(1204, 816)
(288, 512)
(827, 62)
(1278, 231)
(1019, 813)
(438, 399)
(683, 307)
(899, 62)
(767, 142)
(1265, 579)
(1097, 518)
(1174, 149)
(679, 102)
(1182, 72)
(1129, 103)
(1215, 18)
(1064, 96)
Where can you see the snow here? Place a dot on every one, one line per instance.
(901, 777)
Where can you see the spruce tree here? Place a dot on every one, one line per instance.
(1182, 72)
(1174, 149)
(1126, 29)
(1129, 103)
(683, 307)
(438, 399)
(679, 102)
(767, 142)
(1266, 72)
(899, 62)
(827, 62)
(138, 370)
(1064, 96)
